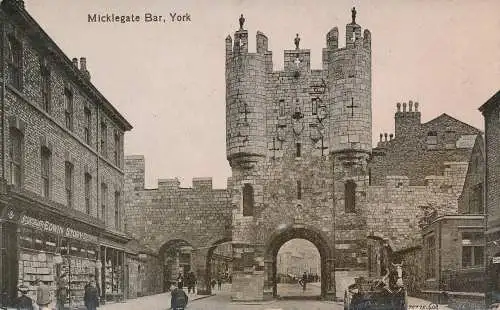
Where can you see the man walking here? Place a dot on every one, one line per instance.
(43, 299)
(24, 302)
(179, 299)
(304, 281)
(61, 292)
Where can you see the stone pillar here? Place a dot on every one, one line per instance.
(329, 282)
(269, 278)
(200, 268)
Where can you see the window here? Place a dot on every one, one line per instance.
(88, 185)
(248, 203)
(68, 112)
(282, 107)
(45, 75)
(431, 140)
(297, 150)
(104, 199)
(117, 147)
(299, 190)
(449, 139)
(104, 138)
(350, 196)
(314, 106)
(430, 257)
(15, 61)
(117, 210)
(45, 171)
(69, 183)
(472, 249)
(476, 199)
(16, 157)
(87, 125)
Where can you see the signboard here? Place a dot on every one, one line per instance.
(495, 260)
(56, 229)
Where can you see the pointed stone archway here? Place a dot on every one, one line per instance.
(311, 234)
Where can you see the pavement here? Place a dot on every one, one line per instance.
(221, 300)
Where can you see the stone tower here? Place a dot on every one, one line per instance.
(291, 137)
(350, 109)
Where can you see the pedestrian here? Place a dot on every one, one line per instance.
(213, 282)
(91, 296)
(179, 299)
(180, 281)
(304, 281)
(61, 292)
(219, 282)
(43, 299)
(191, 281)
(23, 302)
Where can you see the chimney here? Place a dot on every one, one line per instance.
(83, 67)
(75, 62)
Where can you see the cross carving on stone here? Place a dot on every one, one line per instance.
(352, 106)
(297, 62)
(322, 147)
(274, 149)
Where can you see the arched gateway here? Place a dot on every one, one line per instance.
(287, 233)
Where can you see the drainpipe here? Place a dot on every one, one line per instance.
(3, 103)
(440, 256)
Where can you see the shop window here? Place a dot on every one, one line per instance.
(15, 62)
(350, 197)
(68, 108)
(88, 186)
(64, 246)
(38, 240)
(45, 171)
(117, 210)
(69, 183)
(117, 149)
(430, 257)
(87, 125)
(431, 140)
(26, 237)
(472, 249)
(16, 157)
(104, 200)
(104, 139)
(50, 243)
(248, 200)
(46, 86)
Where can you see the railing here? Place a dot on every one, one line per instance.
(467, 280)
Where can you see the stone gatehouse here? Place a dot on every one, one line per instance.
(299, 143)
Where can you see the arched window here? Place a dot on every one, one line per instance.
(247, 200)
(350, 197)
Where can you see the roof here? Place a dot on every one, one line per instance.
(35, 30)
(443, 117)
(494, 100)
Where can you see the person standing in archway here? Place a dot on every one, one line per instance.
(304, 281)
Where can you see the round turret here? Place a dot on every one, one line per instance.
(245, 101)
(349, 78)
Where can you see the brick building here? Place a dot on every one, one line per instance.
(491, 114)
(62, 177)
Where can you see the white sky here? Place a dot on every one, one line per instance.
(167, 79)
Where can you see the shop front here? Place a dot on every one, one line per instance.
(42, 243)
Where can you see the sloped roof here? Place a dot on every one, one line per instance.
(444, 117)
(495, 99)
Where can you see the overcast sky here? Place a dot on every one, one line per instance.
(167, 78)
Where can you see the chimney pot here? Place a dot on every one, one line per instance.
(398, 105)
(410, 106)
(75, 62)
(416, 106)
(404, 106)
(83, 64)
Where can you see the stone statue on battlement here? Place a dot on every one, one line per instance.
(297, 42)
(242, 21)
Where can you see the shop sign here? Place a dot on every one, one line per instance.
(495, 260)
(56, 229)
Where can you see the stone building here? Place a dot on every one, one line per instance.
(491, 114)
(299, 145)
(62, 177)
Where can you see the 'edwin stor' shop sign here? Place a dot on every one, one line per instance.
(56, 229)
